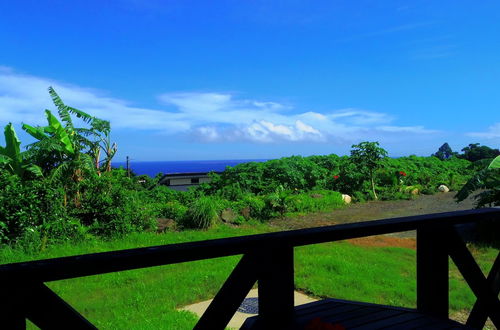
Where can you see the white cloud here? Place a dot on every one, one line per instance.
(259, 131)
(306, 128)
(361, 117)
(208, 117)
(310, 115)
(197, 102)
(493, 132)
(406, 129)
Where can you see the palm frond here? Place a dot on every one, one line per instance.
(36, 132)
(4, 159)
(35, 170)
(88, 165)
(62, 109)
(85, 131)
(474, 183)
(65, 110)
(495, 163)
(101, 125)
(60, 132)
(59, 173)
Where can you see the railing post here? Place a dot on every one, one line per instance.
(276, 288)
(432, 271)
(12, 315)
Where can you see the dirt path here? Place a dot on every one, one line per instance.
(374, 210)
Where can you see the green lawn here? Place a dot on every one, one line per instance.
(148, 298)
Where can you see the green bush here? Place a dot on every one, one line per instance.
(334, 173)
(203, 213)
(314, 201)
(34, 210)
(163, 194)
(256, 205)
(275, 203)
(109, 209)
(171, 210)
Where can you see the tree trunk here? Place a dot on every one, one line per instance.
(373, 187)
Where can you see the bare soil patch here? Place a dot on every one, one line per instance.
(385, 241)
(375, 210)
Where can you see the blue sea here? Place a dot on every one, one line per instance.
(182, 166)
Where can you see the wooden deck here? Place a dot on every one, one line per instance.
(358, 315)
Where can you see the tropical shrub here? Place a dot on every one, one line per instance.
(13, 160)
(171, 210)
(255, 204)
(294, 172)
(203, 213)
(163, 194)
(275, 202)
(314, 201)
(35, 209)
(487, 179)
(428, 172)
(109, 209)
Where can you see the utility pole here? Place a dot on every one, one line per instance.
(128, 166)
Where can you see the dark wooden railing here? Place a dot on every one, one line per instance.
(268, 260)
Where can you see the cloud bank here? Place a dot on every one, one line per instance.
(493, 133)
(203, 117)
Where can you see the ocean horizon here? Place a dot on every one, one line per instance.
(152, 168)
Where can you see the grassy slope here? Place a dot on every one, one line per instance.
(148, 298)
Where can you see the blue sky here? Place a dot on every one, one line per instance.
(183, 80)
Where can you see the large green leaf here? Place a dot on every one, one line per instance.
(34, 169)
(12, 145)
(60, 132)
(4, 159)
(36, 132)
(474, 183)
(495, 163)
(62, 109)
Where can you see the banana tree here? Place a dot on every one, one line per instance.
(96, 138)
(487, 179)
(54, 146)
(11, 157)
(61, 140)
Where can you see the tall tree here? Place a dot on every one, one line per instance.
(475, 151)
(97, 138)
(367, 157)
(444, 152)
(61, 141)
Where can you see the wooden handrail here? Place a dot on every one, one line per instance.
(267, 259)
(106, 262)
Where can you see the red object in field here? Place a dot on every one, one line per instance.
(335, 177)
(403, 173)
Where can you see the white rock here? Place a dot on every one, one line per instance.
(443, 188)
(346, 198)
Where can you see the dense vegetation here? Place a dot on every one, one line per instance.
(63, 187)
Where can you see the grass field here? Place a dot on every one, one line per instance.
(148, 298)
